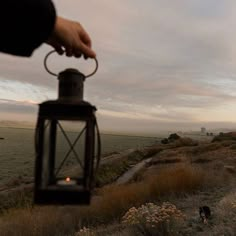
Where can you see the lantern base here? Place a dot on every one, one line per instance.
(62, 197)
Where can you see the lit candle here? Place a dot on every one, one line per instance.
(66, 182)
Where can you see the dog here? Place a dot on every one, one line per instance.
(205, 214)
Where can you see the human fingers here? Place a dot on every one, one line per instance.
(87, 51)
(60, 50)
(69, 52)
(77, 54)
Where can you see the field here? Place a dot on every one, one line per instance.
(17, 152)
(163, 198)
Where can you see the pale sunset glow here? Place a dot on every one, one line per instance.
(162, 65)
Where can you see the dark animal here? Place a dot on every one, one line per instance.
(204, 213)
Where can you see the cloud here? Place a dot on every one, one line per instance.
(11, 106)
(158, 60)
(20, 91)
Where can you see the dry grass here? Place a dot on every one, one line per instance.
(225, 154)
(184, 142)
(19, 199)
(116, 230)
(177, 180)
(39, 221)
(151, 151)
(223, 220)
(206, 147)
(113, 202)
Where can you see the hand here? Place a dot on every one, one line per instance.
(69, 36)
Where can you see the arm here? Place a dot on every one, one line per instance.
(25, 25)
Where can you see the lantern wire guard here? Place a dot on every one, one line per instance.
(68, 106)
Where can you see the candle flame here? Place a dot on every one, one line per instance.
(68, 179)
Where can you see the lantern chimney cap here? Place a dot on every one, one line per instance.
(71, 85)
(71, 70)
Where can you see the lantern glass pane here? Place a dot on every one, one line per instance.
(70, 149)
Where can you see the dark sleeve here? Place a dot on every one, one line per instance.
(25, 25)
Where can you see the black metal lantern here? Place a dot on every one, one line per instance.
(66, 138)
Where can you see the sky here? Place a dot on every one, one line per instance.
(163, 65)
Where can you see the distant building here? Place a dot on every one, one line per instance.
(203, 130)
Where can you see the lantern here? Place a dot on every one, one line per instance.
(65, 141)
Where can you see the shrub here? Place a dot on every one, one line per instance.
(153, 219)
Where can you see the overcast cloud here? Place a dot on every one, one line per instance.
(162, 64)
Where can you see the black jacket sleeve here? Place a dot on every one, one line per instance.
(25, 25)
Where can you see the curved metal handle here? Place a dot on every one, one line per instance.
(52, 73)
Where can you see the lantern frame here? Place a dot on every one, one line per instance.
(51, 193)
(69, 106)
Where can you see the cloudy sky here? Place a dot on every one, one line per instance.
(164, 65)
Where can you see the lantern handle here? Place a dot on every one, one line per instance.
(54, 74)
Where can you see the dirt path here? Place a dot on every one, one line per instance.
(128, 175)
